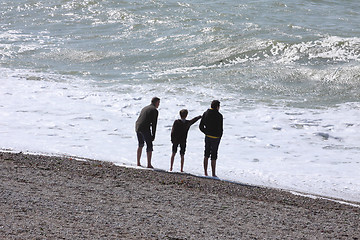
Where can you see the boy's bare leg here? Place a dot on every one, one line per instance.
(172, 161)
(139, 151)
(205, 165)
(149, 155)
(213, 167)
(182, 163)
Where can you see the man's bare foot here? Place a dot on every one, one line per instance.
(150, 166)
(214, 176)
(139, 165)
(206, 174)
(170, 169)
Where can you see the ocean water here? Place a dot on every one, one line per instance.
(75, 75)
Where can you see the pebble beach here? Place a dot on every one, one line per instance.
(51, 197)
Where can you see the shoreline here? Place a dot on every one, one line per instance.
(61, 197)
(295, 192)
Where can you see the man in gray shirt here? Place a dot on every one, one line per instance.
(147, 119)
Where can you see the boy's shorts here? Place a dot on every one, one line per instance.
(145, 137)
(182, 148)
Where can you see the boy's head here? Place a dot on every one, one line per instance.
(183, 113)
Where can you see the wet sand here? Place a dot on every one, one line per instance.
(44, 197)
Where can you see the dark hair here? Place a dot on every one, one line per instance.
(154, 100)
(215, 104)
(183, 113)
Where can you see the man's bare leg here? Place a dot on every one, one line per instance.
(213, 167)
(205, 165)
(172, 161)
(139, 151)
(182, 163)
(149, 155)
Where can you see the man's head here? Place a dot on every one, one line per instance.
(215, 104)
(183, 113)
(155, 101)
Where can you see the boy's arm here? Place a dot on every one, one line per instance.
(194, 120)
(173, 130)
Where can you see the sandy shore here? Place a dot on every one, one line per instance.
(45, 197)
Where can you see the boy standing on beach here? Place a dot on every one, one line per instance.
(147, 119)
(212, 126)
(179, 134)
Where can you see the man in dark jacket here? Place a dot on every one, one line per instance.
(147, 119)
(211, 125)
(179, 134)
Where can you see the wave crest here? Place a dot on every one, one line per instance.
(327, 50)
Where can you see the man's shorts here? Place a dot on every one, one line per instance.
(182, 148)
(145, 137)
(211, 147)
